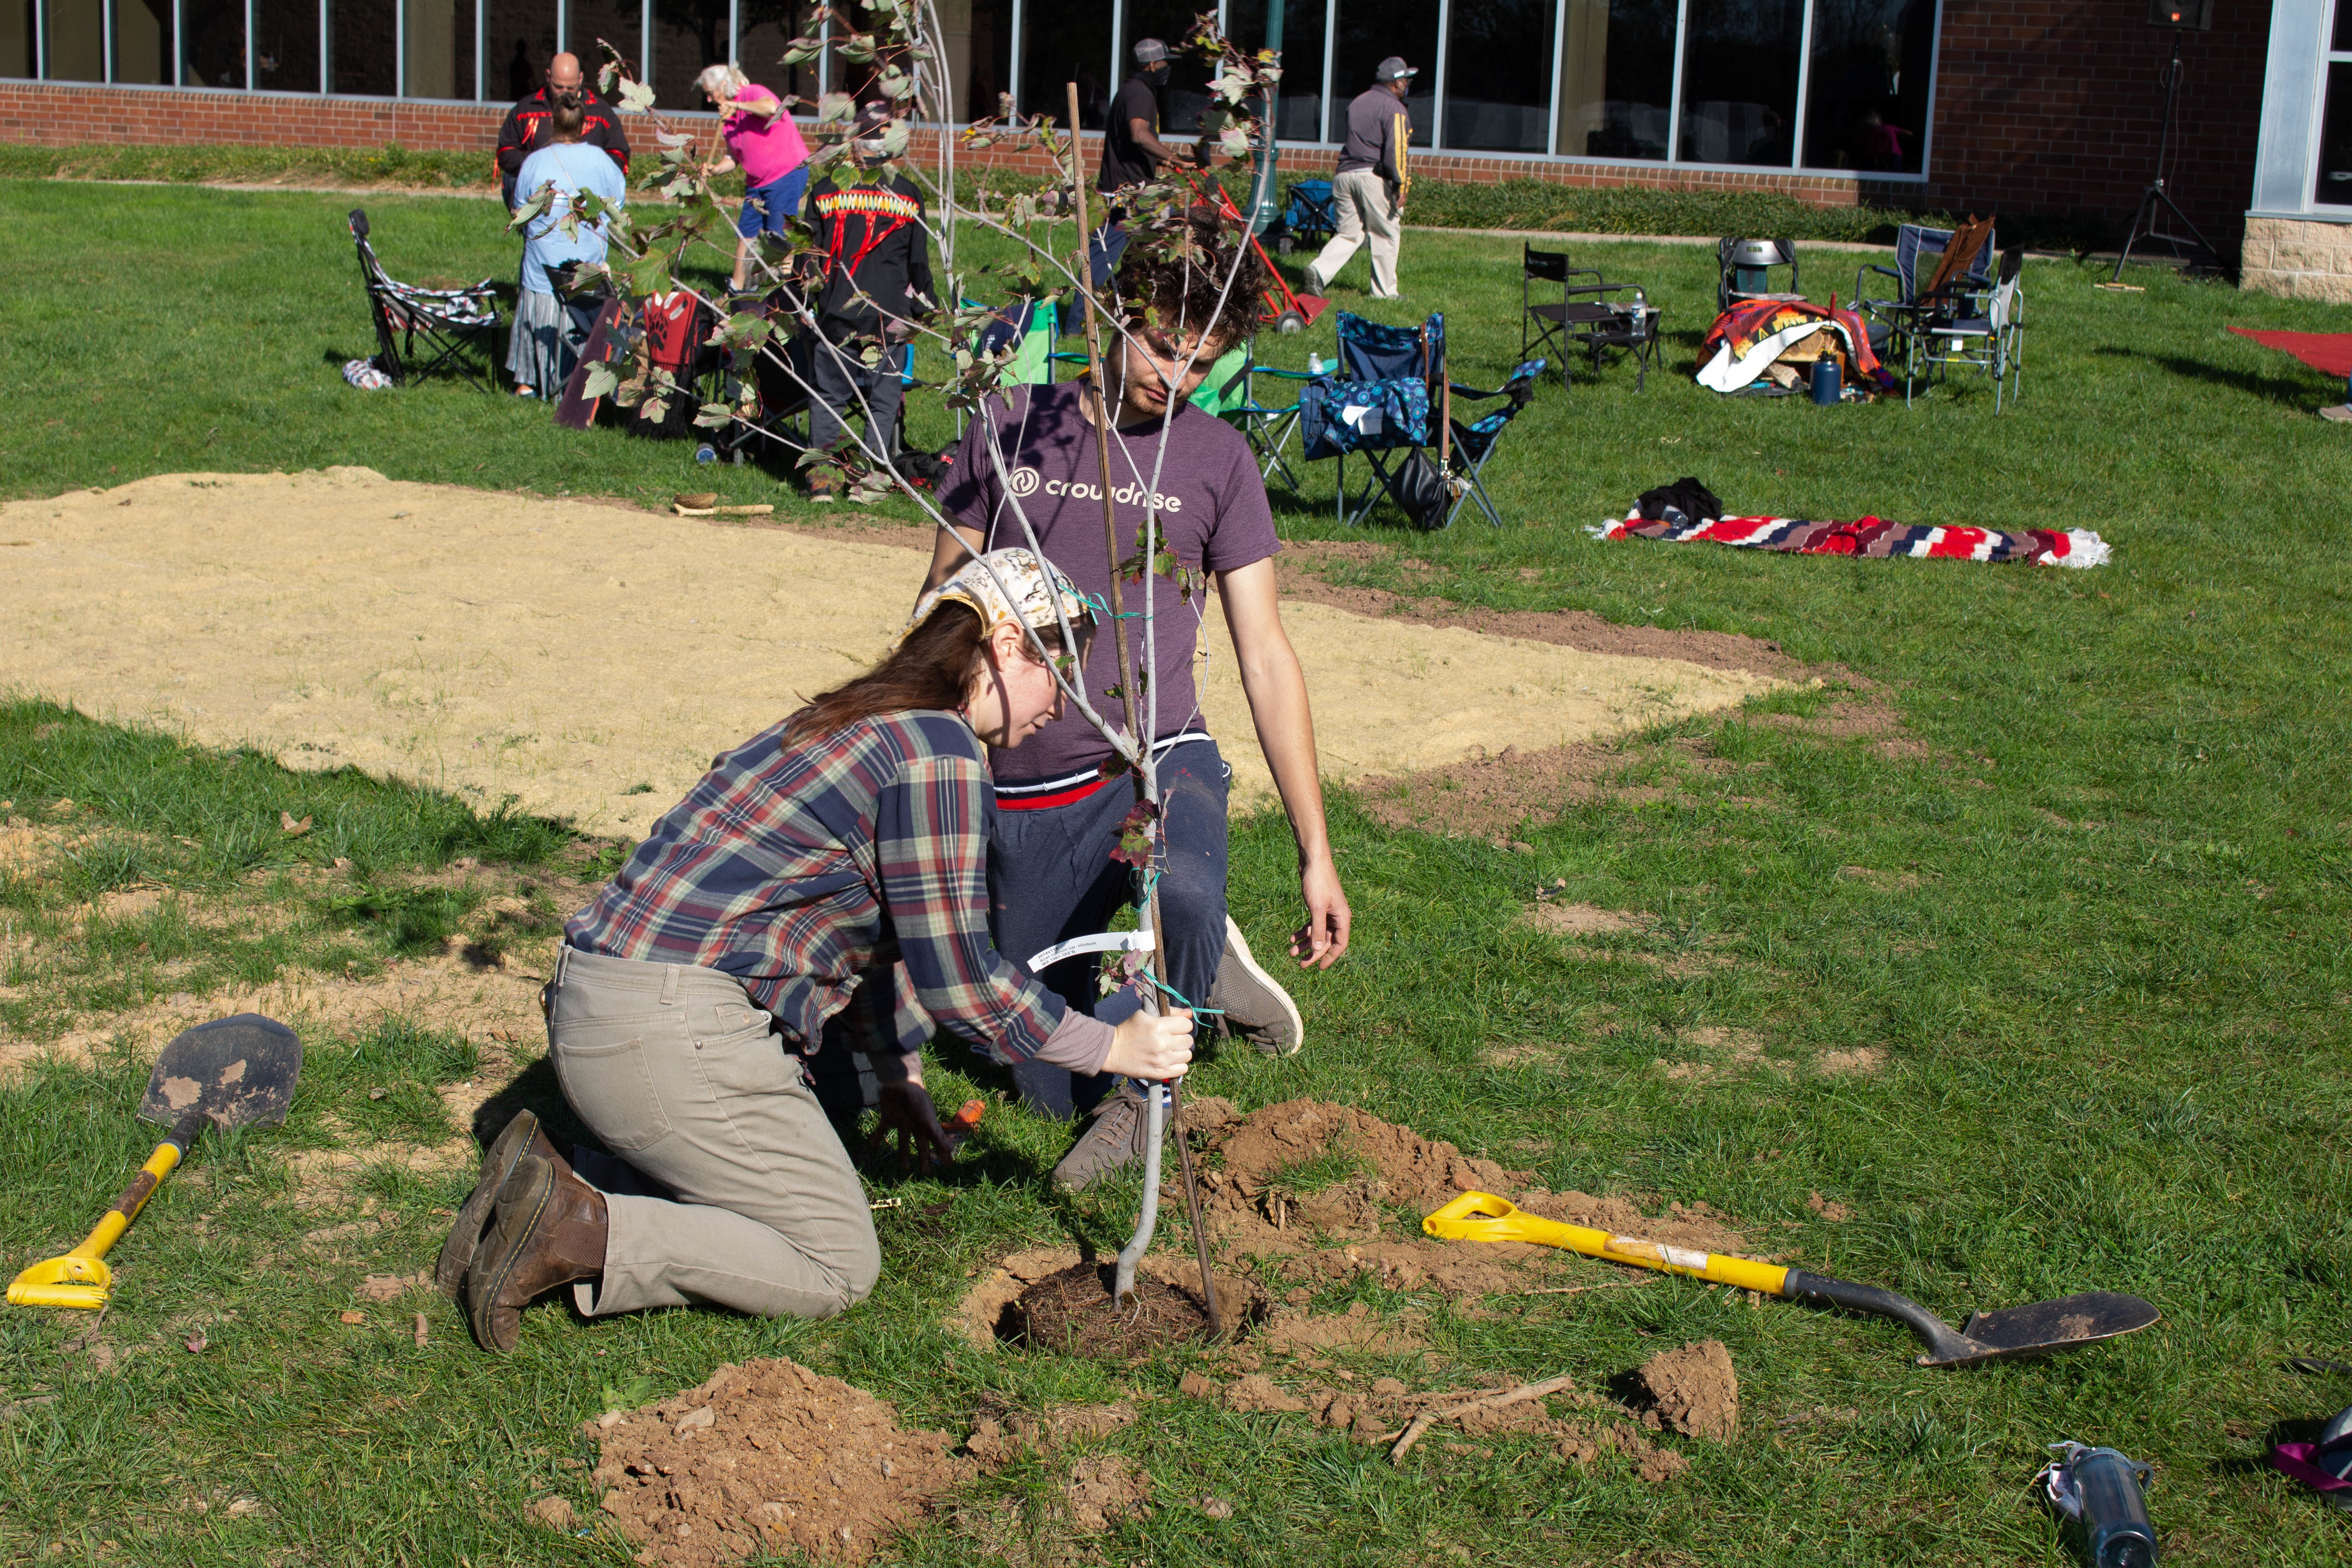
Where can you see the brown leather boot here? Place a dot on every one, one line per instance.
(548, 1229)
(522, 1134)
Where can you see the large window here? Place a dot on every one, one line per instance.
(212, 51)
(1065, 41)
(76, 50)
(519, 40)
(1867, 91)
(1739, 81)
(1370, 31)
(2333, 188)
(766, 27)
(286, 44)
(1499, 64)
(1299, 111)
(143, 41)
(976, 53)
(1617, 78)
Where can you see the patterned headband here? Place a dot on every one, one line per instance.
(1031, 602)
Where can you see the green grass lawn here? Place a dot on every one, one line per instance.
(2102, 944)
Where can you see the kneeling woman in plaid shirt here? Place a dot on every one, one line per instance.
(824, 884)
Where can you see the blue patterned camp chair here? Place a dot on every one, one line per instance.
(1393, 402)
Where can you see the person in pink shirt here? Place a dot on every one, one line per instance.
(767, 146)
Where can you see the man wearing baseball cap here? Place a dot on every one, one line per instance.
(1132, 152)
(1368, 191)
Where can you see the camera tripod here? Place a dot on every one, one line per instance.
(2144, 220)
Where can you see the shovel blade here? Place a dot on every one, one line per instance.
(239, 1071)
(2041, 1327)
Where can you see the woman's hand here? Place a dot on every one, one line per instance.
(906, 1109)
(1157, 1048)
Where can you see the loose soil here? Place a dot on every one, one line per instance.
(1072, 1312)
(1692, 1390)
(430, 633)
(768, 1456)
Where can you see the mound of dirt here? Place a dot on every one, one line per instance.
(768, 1456)
(1251, 1211)
(1692, 1390)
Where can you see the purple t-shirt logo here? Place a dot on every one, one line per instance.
(1212, 513)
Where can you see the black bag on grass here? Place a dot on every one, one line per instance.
(1420, 488)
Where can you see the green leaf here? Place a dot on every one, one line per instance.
(603, 380)
(636, 97)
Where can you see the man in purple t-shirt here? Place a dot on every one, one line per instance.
(1058, 819)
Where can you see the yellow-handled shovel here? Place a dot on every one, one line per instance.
(2067, 1323)
(231, 1072)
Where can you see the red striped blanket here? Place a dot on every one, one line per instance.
(1873, 536)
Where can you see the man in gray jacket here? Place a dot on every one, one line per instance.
(1368, 191)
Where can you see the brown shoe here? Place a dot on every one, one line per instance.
(521, 1134)
(548, 1229)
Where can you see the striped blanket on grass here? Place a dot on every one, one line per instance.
(1870, 536)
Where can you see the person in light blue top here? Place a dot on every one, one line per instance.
(539, 352)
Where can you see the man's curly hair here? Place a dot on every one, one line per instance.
(1174, 273)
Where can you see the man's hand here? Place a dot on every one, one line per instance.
(906, 1109)
(1319, 943)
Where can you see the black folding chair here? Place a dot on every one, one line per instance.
(1583, 315)
(1744, 271)
(446, 322)
(1904, 327)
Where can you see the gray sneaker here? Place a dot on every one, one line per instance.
(1111, 1142)
(1255, 1007)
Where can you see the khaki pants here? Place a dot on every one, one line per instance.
(1360, 198)
(675, 1071)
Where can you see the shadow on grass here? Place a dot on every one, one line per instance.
(2289, 388)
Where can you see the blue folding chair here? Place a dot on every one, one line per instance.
(1311, 217)
(1392, 402)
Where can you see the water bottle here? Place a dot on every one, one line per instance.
(705, 453)
(1825, 381)
(1315, 365)
(2107, 1492)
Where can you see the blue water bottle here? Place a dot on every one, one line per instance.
(1825, 382)
(2106, 1493)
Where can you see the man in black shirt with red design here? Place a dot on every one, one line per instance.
(527, 128)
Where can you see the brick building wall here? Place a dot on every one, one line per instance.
(59, 114)
(2053, 107)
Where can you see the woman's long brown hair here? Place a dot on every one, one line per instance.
(932, 668)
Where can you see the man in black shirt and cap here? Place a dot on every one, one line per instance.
(1367, 189)
(1132, 152)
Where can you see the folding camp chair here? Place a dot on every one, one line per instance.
(447, 320)
(1309, 217)
(1941, 274)
(1994, 341)
(1393, 403)
(1596, 322)
(1744, 271)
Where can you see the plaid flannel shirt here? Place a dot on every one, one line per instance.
(846, 876)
